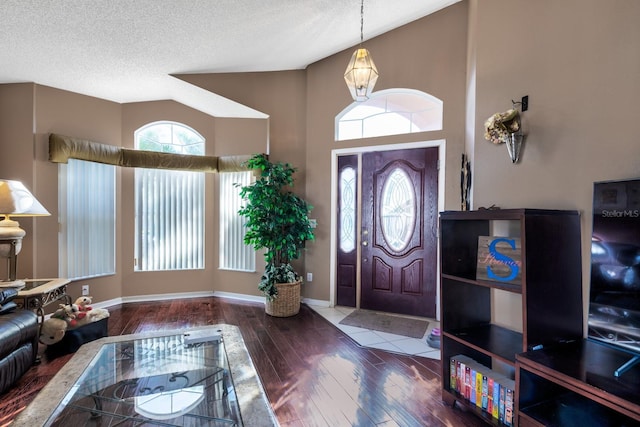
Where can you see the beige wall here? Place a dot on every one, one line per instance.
(224, 137)
(16, 160)
(66, 113)
(577, 60)
(428, 55)
(30, 112)
(281, 95)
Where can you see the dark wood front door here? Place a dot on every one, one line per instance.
(399, 231)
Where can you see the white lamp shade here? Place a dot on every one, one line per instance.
(16, 200)
(361, 75)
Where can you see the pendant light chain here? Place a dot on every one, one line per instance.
(361, 22)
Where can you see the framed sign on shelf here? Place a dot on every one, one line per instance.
(499, 259)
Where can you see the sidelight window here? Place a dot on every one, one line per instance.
(348, 209)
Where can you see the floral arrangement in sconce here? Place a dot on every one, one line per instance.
(500, 126)
(506, 128)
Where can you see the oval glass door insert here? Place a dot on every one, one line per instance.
(398, 210)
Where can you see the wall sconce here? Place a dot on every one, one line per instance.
(15, 200)
(514, 145)
(361, 74)
(507, 128)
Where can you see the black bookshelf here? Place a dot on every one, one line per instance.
(550, 289)
(574, 384)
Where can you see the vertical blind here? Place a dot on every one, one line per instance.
(169, 203)
(169, 220)
(87, 219)
(234, 253)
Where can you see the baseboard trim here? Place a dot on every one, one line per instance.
(220, 294)
(108, 303)
(316, 302)
(151, 298)
(240, 297)
(164, 297)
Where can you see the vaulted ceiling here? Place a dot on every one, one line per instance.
(128, 50)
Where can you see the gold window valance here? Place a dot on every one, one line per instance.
(62, 148)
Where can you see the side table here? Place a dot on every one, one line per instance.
(38, 293)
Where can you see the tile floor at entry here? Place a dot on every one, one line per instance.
(381, 340)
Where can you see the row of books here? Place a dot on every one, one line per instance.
(492, 392)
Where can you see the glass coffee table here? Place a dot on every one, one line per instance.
(198, 377)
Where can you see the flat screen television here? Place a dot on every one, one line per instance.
(614, 298)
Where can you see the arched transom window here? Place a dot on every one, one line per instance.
(390, 112)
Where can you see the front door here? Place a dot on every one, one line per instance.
(398, 240)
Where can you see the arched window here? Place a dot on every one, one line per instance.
(390, 112)
(169, 203)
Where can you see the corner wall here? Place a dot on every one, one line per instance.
(224, 137)
(30, 112)
(428, 54)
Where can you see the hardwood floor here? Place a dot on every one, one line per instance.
(314, 375)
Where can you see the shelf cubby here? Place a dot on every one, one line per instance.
(548, 292)
(574, 384)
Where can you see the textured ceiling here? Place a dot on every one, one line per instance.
(127, 50)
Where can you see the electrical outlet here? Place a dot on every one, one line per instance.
(85, 290)
(525, 103)
(309, 277)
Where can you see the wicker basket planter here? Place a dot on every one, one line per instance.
(287, 303)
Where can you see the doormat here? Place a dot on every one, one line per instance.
(414, 328)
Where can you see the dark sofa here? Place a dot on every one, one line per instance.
(18, 340)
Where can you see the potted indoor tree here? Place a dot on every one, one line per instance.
(277, 220)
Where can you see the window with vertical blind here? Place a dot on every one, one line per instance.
(234, 253)
(87, 212)
(169, 213)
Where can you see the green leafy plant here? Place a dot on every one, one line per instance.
(277, 221)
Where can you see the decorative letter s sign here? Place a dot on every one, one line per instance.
(513, 265)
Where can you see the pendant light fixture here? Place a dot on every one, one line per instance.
(361, 74)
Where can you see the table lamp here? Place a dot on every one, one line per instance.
(15, 201)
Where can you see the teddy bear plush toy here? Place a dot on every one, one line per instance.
(84, 303)
(86, 313)
(84, 307)
(68, 313)
(52, 330)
